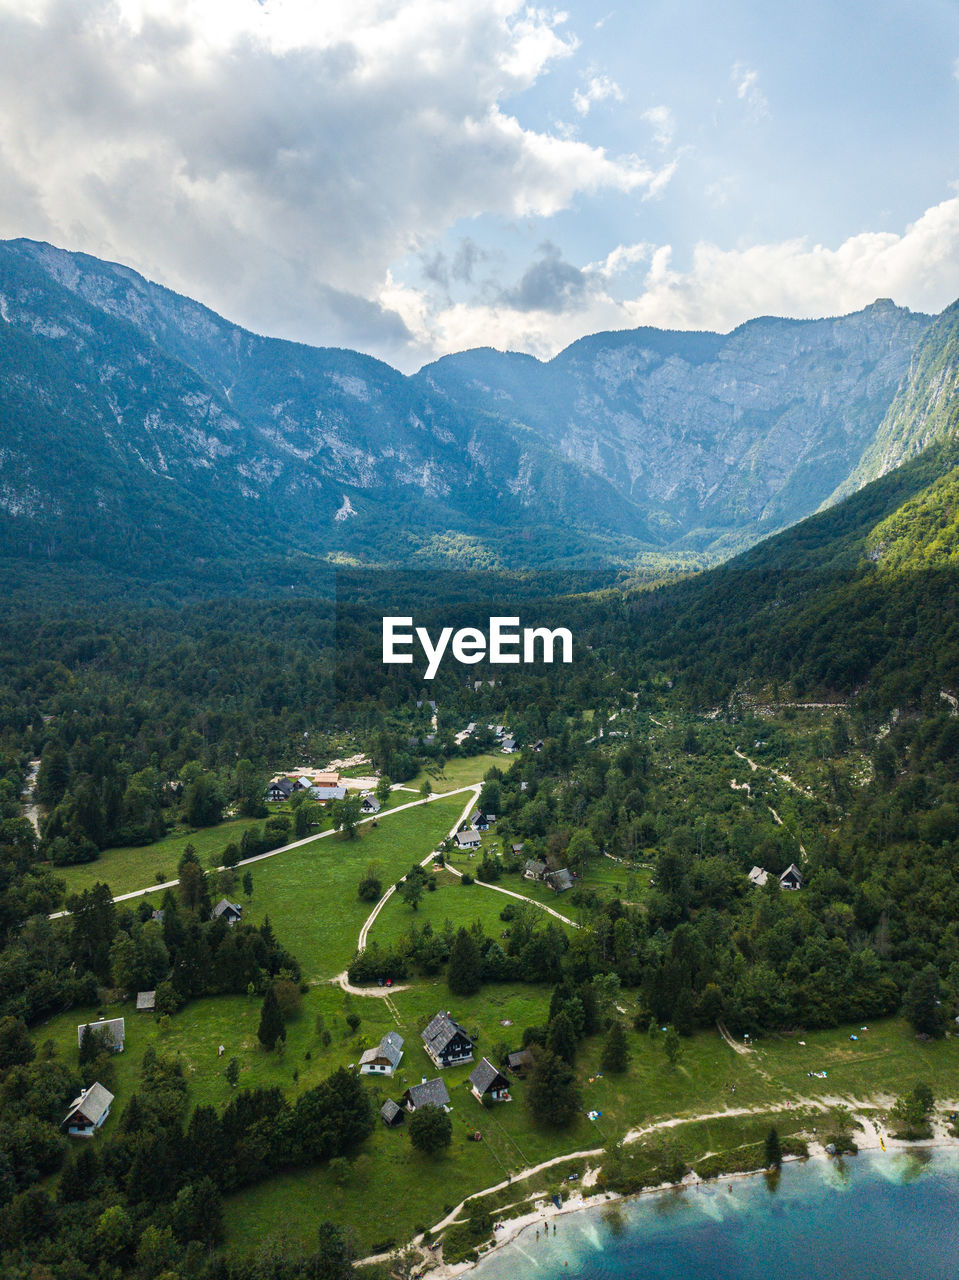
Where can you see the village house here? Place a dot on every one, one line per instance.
(326, 793)
(791, 879)
(429, 1093)
(280, 789)
(467, 839)
(88, 1112)
(558, 881)
(519, 1060)
(446, 1042)
(111, 1033)
(370, 804)
(227, 910)
(392, 1113)
(146, 1000)
(385, 1058)
(488, 1082)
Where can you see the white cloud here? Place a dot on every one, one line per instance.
(599, 88)
(721, 289)
(663, 124)
(276, 160)
(746, 82)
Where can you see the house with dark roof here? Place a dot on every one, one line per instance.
(384, 1058)
(446, 1042)
(111, 1032)
(88, 1112)
(429, 1093)
(559, 881)
(279, 789)
(392, 1113)
(519, 1061)
(370, 804)
(486, 1081)
(227, 910)
(534, 869)
(509, 746)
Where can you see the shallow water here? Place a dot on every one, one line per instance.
(872, 1217)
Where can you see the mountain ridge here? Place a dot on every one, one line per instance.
(199, 441)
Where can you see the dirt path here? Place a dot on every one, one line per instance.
(297, 844)
(370, 919)
(31, 810)
(522, 897)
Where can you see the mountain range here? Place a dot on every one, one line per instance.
(142, 433)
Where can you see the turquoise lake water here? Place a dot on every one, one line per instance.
(870, 1217)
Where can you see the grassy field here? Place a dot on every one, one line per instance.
(310, 893)
(460, 904)
(461, 771)
(133, 868)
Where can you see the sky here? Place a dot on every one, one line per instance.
(414, 178)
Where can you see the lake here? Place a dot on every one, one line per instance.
(864, 1218)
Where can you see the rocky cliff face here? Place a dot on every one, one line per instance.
(137, 425)
(924, 409)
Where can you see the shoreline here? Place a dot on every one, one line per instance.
(873, 1137)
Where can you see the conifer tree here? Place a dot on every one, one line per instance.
(561, 1037)
(271, 1021)
(615, 1049)
(773, 1150)
(464, 974)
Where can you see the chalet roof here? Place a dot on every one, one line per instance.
(484, 1076)
(328, 793)
(94, 1103)
(146, 999)
(390, 1111)
(521, 1058)
(431, 1093)
(113, 1031)
(390, 1048)
(758, 876)
(226, 908)
(792, 870)
(284, 787)
(517, 848)
(441, 1031)
(372, 804)
(561, 880)
(467, 837)
(534, 867)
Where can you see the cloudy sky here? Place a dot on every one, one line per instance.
(413, 178)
